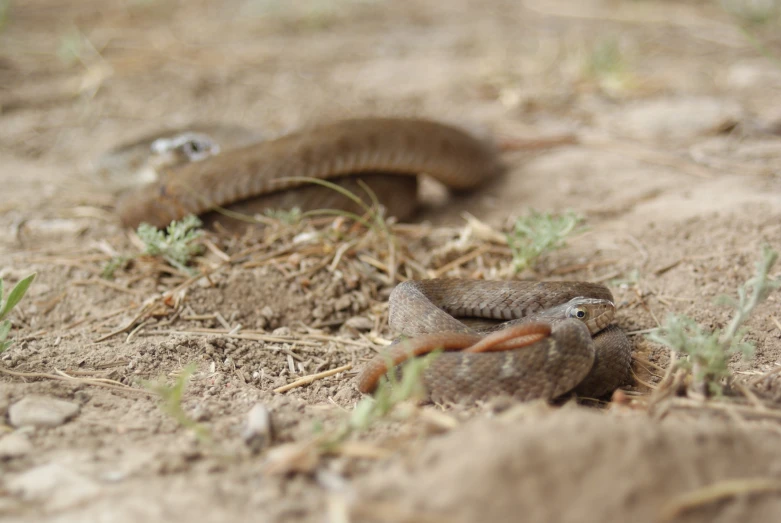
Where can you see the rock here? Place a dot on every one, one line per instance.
(258, 431)
(55, 485)
(41, 411)
(282, 331)
(14, 445)
(359, 323)
(749, 75)
(343, 303)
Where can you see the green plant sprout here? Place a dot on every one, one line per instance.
(171, 402)
(113, 264)
(605, 59)
(14, 297)
(752, 19)
(392, 391)
(5, 9)
(752, 13)
(176, 245)
(538, 233)
(709, 352)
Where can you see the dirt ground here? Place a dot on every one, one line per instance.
(676, 171)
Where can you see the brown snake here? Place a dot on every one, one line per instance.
(537, 354)
(388, 151)
(543, 349)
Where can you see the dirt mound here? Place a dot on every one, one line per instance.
(577, 465)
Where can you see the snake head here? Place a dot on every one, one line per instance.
(137, 162)
(595, 313)
(183, 148)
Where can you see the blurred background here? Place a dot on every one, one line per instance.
(79, 76)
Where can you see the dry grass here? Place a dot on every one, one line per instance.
(368, 249)
(360, 251)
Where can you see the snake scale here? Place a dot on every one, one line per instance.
(536, 347)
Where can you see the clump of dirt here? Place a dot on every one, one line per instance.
(530, 461)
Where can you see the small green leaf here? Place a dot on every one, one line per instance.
(538, 233)
(176, 245)
(171, 402)
(17, 293)
(709, 352)
(5, 328)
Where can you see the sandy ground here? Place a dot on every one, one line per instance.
(677, 173)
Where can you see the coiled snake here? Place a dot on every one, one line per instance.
(542, 348)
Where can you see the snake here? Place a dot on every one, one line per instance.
(386, 154)
(522, 339)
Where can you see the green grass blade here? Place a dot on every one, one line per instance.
(338, 188)
(16, 295)
(372, 196)
(5, 328)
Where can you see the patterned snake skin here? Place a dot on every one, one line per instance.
(567, 359)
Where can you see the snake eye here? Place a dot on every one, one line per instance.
(194, 146)
(580, 313)
(198, 148)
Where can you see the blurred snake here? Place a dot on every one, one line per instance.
(165, 177)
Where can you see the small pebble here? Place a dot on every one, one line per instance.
(342, 303)
(258, 431)
(359, 323)
(41, 411)
(58, 486)
(14, 445)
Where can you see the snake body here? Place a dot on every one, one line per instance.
(563, 358)
(375, 148)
